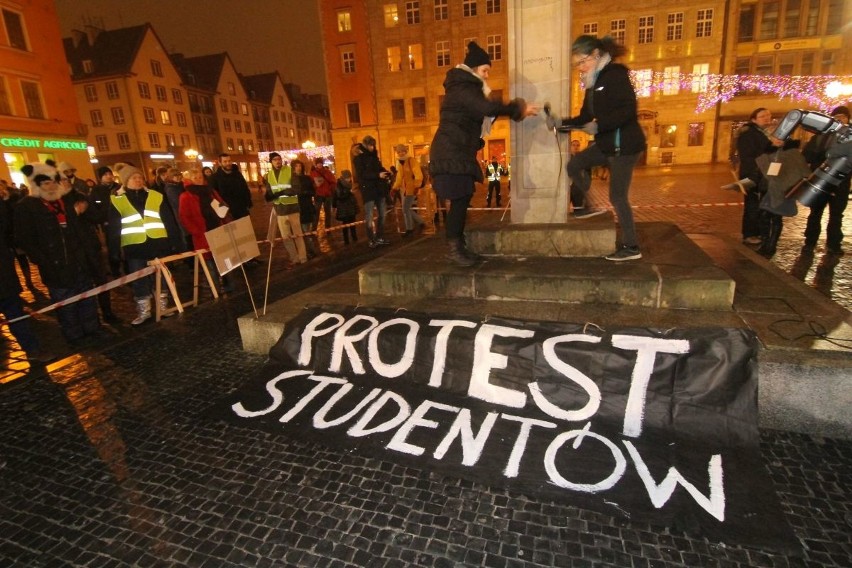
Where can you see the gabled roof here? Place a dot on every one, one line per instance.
(112, 52)
(203, 71)
(261, 87)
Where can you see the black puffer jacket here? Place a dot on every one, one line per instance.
(612, 103)
(457, 140)
(10, 286)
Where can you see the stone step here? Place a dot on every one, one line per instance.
(594, 237)
(673, 273)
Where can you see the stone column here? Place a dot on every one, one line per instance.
(539, 71)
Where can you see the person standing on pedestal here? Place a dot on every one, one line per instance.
(467, 113)
(609, 114)
(754, 140)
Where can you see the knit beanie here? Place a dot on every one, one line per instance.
(476, 56)
(101, 171)
(127, 171)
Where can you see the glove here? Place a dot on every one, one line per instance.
(552, 121)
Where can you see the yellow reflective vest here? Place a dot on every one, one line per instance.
(279, 184)
(136, 228)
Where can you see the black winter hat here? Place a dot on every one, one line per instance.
(101, 171)
(840, 110)
(476, 56)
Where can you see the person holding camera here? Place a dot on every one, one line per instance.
(374, 181)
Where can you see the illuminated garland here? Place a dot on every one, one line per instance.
(821, 92)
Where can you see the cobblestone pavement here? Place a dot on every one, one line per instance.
(108, 459)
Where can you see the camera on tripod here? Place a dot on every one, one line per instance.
(818, 188)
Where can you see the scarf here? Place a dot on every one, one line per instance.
(486, 90)
(58, 209)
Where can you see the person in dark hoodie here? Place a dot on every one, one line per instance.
(609, 114)
(466, 116)
(373, 180)
(228, 180)
(99, 207)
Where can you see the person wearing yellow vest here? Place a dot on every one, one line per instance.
(142, 224)
(285, 201)
(408, 181)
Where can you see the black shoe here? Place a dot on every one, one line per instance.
(587, 212)
(625, 253)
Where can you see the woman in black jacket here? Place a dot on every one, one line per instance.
(466, 116)
(609, 114)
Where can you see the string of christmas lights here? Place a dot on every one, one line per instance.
(820, 92)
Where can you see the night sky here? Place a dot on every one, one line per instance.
(260, 35)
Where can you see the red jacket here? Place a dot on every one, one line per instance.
(324, 181)
(194, 219)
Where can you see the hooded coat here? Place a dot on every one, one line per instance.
(458, 138)
(367, 169)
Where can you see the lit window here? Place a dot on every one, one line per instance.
(165, 117)
(642, 84)
(695, 136)
(391, 15)
(394, 59)
(344, 21)
(700, 77)
(671, 80)
(415, 56)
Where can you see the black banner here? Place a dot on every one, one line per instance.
(657, 425)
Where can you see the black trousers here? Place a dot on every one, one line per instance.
(457, 216)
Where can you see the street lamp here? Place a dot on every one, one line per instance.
(309, 144)
(191, 154)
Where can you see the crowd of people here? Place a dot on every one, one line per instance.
(81, 233)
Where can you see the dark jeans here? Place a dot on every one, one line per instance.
(13, 308)
(456, 217)
(751, 226)
(493, 189)
(142, 287)
(836, 207)
(621, 174)
(348, 231)
(80, 318)
(323, 203)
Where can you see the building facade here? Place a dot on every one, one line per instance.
(386, 63)
(693, 63)
(39, 116)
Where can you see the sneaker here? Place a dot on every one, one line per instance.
(587, 212)
(752, 241)
(624, 253)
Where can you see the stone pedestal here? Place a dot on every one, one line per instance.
(539, 71)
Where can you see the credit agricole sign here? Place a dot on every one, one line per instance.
(38, 143)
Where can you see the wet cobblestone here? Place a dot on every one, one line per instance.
(108, 459)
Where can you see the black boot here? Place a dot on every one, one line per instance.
(455, 253)
(770, 239)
